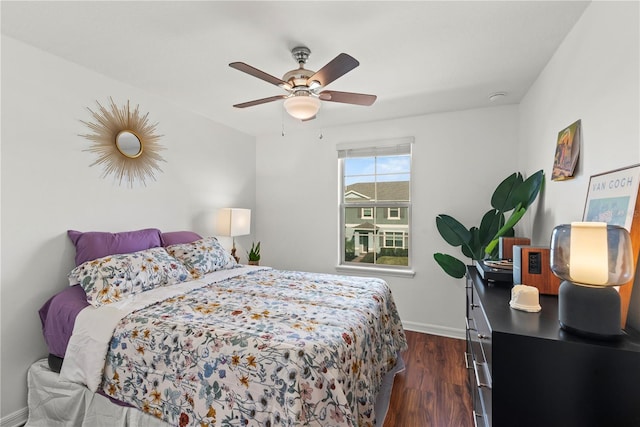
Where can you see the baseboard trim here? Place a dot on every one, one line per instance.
(435, 330)
(16, 419)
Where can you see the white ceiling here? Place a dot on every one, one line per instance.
(418, 57)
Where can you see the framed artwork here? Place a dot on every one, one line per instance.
(613, 198)
(567, 150)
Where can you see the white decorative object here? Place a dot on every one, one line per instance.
(525, 298)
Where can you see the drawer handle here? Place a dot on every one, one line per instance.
(466, 360)
(475, 418)
(479, 383)
(468, 322)
(483, 336)
(472, 305)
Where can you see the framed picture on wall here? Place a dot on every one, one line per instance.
(567, 151)
(612, 197)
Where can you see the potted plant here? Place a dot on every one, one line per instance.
(254, 254)
(513, 194)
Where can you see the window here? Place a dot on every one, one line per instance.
(375, 204)
(394, 239)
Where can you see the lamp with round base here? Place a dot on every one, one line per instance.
(591, 258)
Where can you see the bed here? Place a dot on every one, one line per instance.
(181, 333)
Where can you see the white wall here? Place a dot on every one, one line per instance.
(458, 160)
(48, 187)
(593, 76)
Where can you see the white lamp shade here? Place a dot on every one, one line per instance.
(302, 107)
(592, 253)
(233, 222)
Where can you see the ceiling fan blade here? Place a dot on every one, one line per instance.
(337, 67)
(347, 97)
(246, 68)
(260, 101)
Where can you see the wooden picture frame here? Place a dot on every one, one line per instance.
(613, 197)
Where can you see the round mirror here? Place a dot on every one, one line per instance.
(128, 144)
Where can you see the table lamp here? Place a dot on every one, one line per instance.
(233, 222)
(591, 258)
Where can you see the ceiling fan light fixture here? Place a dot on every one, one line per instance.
(302, 107)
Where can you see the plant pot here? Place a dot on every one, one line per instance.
(254, 263)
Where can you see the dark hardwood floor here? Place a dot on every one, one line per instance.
(433, 391)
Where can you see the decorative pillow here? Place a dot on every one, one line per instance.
(203, 256)
(179, 237)
(96, 244)
(115, 277)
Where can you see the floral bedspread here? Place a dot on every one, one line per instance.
(268, 348)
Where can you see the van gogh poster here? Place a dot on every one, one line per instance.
(612, 197)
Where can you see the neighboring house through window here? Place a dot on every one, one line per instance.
(375, 204)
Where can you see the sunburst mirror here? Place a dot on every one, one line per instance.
(125, 143)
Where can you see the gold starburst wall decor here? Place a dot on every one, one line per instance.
(125, 143)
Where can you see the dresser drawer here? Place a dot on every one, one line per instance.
(480, 333)
(479, 359)
(480, 394)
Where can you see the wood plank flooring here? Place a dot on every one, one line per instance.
(433, 391)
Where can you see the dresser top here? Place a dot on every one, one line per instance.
(495, 297)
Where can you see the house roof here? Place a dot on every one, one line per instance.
(366, 226)
(387, 191)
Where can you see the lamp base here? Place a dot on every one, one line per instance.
(233, 254)
(592, 312)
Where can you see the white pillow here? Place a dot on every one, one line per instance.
(203, 256)
(115, 277)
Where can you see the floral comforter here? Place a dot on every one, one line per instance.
(268, 348)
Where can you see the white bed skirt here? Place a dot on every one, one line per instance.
(57, 403)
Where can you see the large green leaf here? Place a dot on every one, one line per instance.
(473, 248)
(516, 215)
(451, 265)
(503, 198)
(528, 191)
(489, 226)
(452, 231)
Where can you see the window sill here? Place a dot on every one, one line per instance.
(375, 271)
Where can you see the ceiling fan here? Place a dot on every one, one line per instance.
(304, 87)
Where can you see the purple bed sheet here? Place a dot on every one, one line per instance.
(58, 316)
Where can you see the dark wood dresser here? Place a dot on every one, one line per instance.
(525, 371)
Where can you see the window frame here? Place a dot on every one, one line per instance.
(395, 217)
(402, 146)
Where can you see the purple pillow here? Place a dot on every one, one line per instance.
(97, 244)
(58, 316)
(179, 237)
